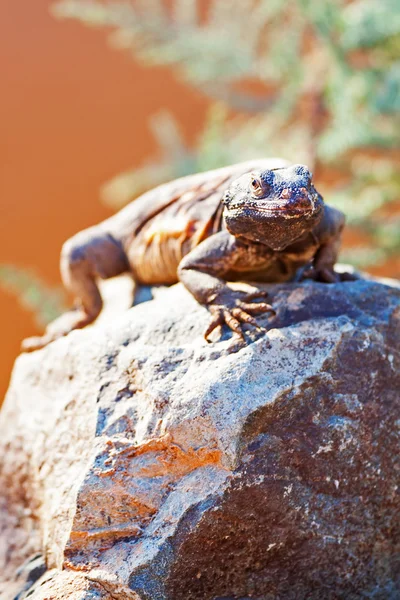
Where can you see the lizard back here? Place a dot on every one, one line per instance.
(163, 225)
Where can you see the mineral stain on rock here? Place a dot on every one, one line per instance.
(121, 474)
(167, 468)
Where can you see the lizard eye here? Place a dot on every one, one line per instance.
(226, 197)
(256, 187)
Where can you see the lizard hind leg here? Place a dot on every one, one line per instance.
(84, 258)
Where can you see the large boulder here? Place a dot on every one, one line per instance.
(141, 462)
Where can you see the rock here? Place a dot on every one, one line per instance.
(146, 464)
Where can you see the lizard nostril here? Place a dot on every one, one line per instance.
(285, 194)
(304, 198)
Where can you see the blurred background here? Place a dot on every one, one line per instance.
(101, 100)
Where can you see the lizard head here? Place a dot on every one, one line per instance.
(273, 206)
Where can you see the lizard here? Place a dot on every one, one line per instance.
(257, 221)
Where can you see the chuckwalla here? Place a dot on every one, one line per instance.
(255, 221)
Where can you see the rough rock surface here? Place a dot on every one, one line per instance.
(146, 464)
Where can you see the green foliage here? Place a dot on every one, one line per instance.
(328, 77)
(34, 295)
(370, 23)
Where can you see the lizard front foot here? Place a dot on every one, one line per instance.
(74, 319)
(321, 274)
(235, 309)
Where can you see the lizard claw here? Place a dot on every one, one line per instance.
(236, 312)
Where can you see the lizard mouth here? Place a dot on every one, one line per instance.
(287, 209)
(297, 205)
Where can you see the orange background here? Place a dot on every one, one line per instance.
(73, 114)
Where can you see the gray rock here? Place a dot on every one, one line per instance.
(147, 464)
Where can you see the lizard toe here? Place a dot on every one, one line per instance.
(254, 295)
(233, 322)
(244, 317)
(257, 307)
(217, 319)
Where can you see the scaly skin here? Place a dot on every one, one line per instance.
(256, 221)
